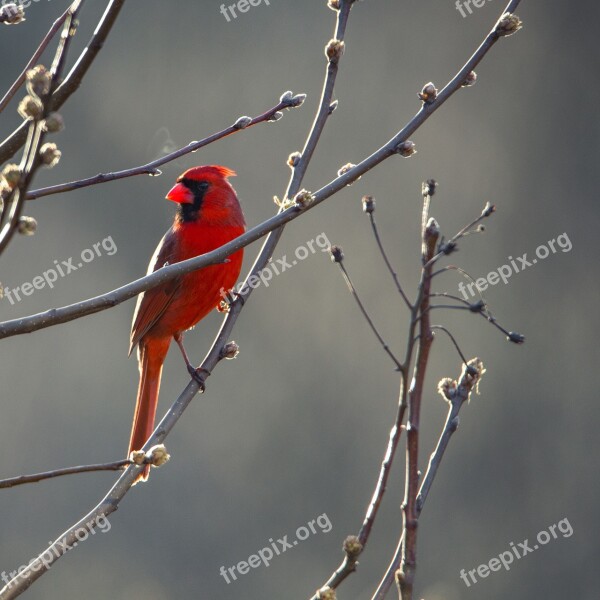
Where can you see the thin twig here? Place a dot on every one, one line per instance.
(366, 315)
(387, 261)
(348, 565)
(452, 339)
(33, 60)
(406, 574)
(111, 501)
(487, 211)
(151, 168)
(105, 301)
(36, 477)
(73, 80)
(30, 163)
(122, 486)
(467, 382)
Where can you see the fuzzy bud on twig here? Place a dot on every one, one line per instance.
(11, 175)
(334, 50)
(30, 107)
(294, 159)
(334, 4)
(303, 198)
(515, 337)
(488, 209)
(406, 149)
(292, 101)
(333, 106)
(12, 14)
(5, 192)
(368, 203)
(352, 546)
(428, 94)
(477, 307)
(297, 100)
(428, 188)
(343, 170)
(54, 123)
(470, 79)
(230, 350)
(326, 593)
(508, 24)
(471, 375)
(38, 81)
(447, 388)
(286, 97)
(137, 457)
(432, 232)
(50, 155)
(448, 247)
(157, 455)
(275, 117)
(337, 254)
(242, 122)
(27, 225)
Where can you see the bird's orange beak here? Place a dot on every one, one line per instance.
(181, 194)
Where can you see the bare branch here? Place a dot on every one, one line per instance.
(406, 574)
(337, 256)
(151, 168)
(455, 395)
(111, 501)
(105, 301)
(369, 208)
(31, 161)
(33, 60)
(73, 80)
(449, 246)
(23, 479)
(452, 339)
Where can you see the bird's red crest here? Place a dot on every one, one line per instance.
(208, 172)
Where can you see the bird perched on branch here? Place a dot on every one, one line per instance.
(208, 216)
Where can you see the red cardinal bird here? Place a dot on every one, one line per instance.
(208, 216)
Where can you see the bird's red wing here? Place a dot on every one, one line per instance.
(152, 304)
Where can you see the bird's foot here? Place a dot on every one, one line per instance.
(199, 375)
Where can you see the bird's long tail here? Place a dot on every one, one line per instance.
(151, 358)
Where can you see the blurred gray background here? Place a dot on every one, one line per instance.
(296, 427)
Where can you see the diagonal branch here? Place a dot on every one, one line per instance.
(33, 60)
(369, 207)
(111, 501)
(151, 168)
(73, 80)
(337, 256)
(105, 301)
